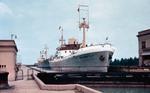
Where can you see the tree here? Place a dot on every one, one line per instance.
(125, 62)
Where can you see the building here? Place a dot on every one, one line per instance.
(8, 55)
(144, 47)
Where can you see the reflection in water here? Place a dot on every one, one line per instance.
(125, 90)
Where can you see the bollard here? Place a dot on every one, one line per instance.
(4, 80)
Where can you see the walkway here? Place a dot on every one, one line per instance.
(28, 86)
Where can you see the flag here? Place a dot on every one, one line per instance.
(15, 36)
(59, 27)
(106, 38)
(78, 9)
(12, 36)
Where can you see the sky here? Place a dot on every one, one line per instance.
(36, 23)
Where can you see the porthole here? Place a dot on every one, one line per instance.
(101, 58)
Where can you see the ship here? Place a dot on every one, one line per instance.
(80, 57)
(72, 57)
(43, 60)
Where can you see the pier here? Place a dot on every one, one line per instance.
(29, 86)
(32, 84)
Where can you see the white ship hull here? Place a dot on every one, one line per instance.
(93, 58)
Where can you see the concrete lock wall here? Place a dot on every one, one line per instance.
(8, 54)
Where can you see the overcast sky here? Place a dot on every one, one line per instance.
(36, 22)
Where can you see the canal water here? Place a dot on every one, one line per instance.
(125, 90)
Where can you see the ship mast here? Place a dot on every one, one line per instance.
(62, 38)
(46, 50)
(84, 25)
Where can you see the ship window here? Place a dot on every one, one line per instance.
(65, 51)
(110, 57)
(70, 51)
(143, 44)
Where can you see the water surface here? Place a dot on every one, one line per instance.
(125, 90)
